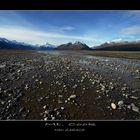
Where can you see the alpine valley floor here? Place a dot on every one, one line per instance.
(64, 85)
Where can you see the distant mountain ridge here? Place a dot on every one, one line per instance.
(119, 46)
(13, 44)
(8, 44)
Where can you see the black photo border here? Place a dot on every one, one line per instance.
(73, 126)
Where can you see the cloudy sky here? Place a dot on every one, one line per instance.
(58, 27)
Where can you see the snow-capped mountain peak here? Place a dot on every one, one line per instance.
(4, 39)
(48, 45)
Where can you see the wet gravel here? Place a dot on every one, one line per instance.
(61, 86)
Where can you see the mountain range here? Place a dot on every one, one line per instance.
(8, 44)
(109, 46)
(119, 46)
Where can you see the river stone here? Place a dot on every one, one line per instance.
(113, 105)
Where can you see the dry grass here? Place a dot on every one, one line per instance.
(14, 52)
(117, 54)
